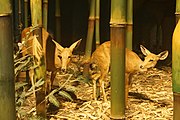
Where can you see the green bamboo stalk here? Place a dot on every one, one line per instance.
(45, 13)
(58, 21)
(20, 14)
(89, 39)
(158, 34)
(36, 12)
(117, 35)
(129, 28)
(97, 31)
(40, 71)
(25, 13)
(7, 86)
(175, 71)
(177, 10)
(176, 65)
(16, 21)
(97, 34)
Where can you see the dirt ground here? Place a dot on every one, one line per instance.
(150, 98)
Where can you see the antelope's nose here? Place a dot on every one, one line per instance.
(63, 70)
(141, 66)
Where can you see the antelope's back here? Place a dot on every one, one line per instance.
(101, 56)
(133, 61)
(48, 46)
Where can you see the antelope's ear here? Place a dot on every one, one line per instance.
(144, 50)
(163, 55)
(59, 47)
(74, 45)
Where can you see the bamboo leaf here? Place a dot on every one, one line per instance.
(37, 84)
(28, 93)
(71, 88)
(66, 95)
(37, 49)
(53, 100)
(19, 85)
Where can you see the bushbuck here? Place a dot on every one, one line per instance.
(57, 57)
(101, 57)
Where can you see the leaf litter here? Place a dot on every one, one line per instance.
(150, 97)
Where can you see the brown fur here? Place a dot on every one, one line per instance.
(57, 57)
(101, 57)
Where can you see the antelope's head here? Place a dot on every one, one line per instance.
(151, 59)
(63, 55)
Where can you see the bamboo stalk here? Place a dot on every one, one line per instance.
(89, 39)
(97, 34)
(129, 27)
(21, 14)
(45, 13)
(40, 71)
(16, 21)
(176, 64)
(25, 13)
(19, 11)
(58, 21)
(117, 35)
(177, 10)
(97, 31)
(7, 86)
(36, 12)
(175, 71)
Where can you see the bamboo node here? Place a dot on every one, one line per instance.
(5, 14)
(91, 18)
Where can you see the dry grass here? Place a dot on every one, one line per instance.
(150, 98)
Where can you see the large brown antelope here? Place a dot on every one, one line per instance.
(101, 57)
(57, 57)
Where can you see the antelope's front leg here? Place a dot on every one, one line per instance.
(53, 75)
(95, 77)
(101, 82)
(94, 90)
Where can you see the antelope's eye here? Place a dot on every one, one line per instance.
(69, 56)
(60, 56)
(151, 60)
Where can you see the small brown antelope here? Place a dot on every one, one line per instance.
(101, 57)
(57, 57)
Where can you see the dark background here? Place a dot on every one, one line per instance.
(153, 23)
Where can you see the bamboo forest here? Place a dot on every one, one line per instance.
(90, 59)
